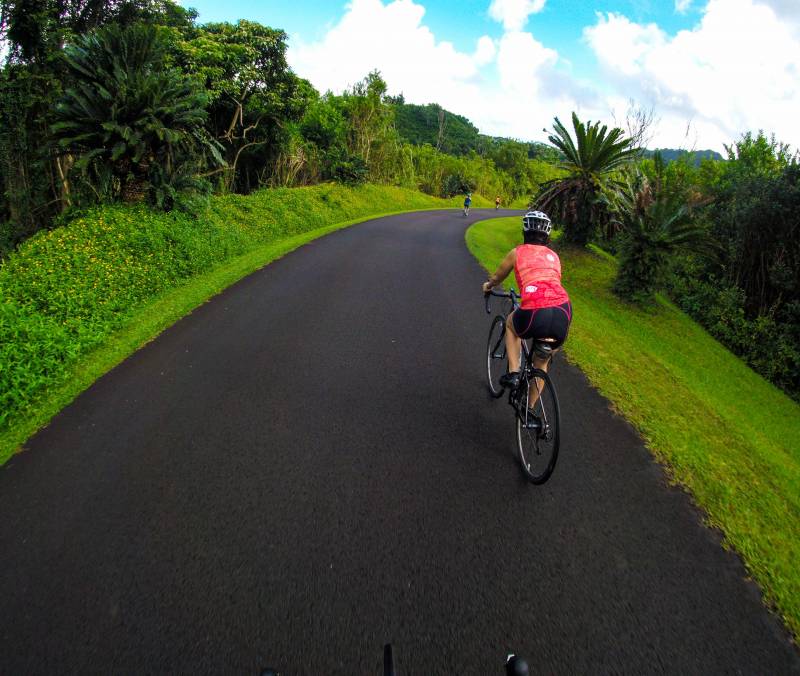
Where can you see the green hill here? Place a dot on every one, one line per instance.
(695, 156)
(455, 134)
(432, 124)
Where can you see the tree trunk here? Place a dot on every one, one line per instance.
(442, 126)
(63, 165)
(134, 189)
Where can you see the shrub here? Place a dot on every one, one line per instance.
(130, 120)
(768, 344)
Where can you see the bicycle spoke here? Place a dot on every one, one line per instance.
(537, 427)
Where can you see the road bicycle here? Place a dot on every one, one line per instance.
(534, 399)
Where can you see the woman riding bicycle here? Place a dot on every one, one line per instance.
(545, 311)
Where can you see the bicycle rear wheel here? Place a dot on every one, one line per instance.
(538, 425)
(496, 362)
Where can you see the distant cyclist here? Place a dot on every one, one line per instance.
(497, 202)
(467, 203)
(545, 311)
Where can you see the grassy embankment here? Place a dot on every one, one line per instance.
(77, 300)
(722, 431)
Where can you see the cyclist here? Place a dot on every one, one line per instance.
(545, 311)
(497, 202)
(467, 203)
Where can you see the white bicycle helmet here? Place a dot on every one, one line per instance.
(536, 221)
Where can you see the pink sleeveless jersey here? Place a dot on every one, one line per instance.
(538, 272)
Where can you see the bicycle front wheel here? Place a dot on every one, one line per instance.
(538, 422)
(496, 363)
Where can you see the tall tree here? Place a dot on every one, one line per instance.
(34, 175)
(755, 216)
(656, 222)
(129, 119)
(590, 163)
(253, 94)
(371, 133)
(36, 29)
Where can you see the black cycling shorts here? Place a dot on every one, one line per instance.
(546, 322)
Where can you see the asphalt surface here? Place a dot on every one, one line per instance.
(308, 466)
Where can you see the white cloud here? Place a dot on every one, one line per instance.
(514, 13)
(785, 9)
(499, 86)
(621, 45)
(682, 6)
(485, 51)
(520, 61)
(737, 70)
(392, 39)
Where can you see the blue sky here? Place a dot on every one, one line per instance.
(541, 58)
(461, 22)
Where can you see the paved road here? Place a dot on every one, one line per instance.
(308, 466)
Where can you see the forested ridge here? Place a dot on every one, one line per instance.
(137, 102)
(694, 156)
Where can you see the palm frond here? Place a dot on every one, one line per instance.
(127, 109)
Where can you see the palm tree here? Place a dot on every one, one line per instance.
(591, 163)
(128, 118)
(656, 223)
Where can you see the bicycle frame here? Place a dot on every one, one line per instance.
(526, 355)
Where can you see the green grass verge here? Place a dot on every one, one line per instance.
(519, 203)
(726, 434)
(76, 301)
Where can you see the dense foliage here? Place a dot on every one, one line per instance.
(133, 99)
(38, 181)
(252, 93)
(127, 121)
(653, 213)
(722, 237)
(749, 295)
(432, 124)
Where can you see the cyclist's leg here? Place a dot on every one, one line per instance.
(550, 324)
(541, 363)
(513, 344)
(517, 324)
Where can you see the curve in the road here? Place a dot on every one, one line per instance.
(308, 467)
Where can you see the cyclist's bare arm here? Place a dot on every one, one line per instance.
(502, 271)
